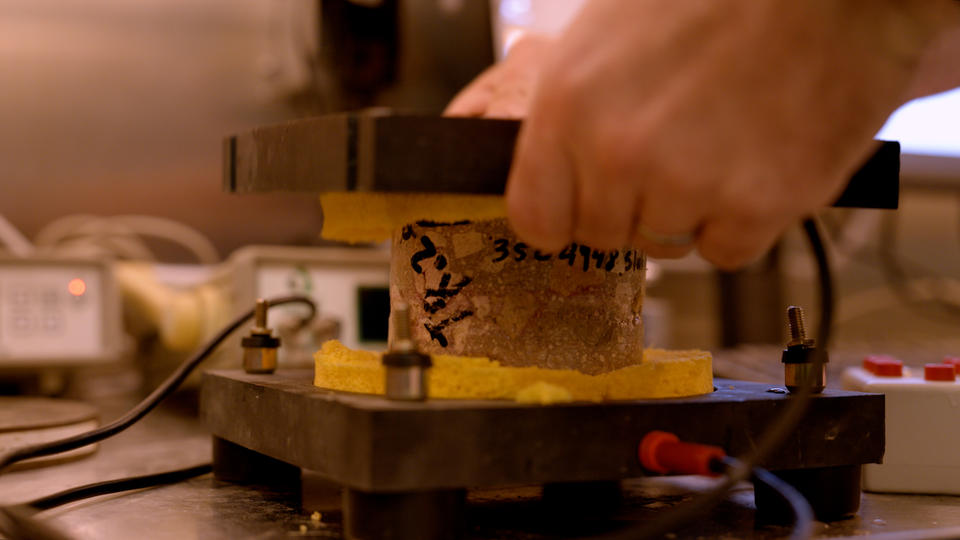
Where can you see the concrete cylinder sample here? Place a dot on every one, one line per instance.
(474, 289)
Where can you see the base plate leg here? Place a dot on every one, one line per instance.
(427, 515)
(240, 465)
(586, 499)
(833, 494)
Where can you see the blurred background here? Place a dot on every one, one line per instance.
(108, 106)
(114, 108)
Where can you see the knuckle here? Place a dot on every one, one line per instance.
(684, 188)
(665, 252)
(725, 258)
(618, 154)
(598, 229)
(559, 89)
(725, 251)
(753, 209)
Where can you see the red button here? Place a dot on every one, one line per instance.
(938, 372)
(883, 365)
(953, 361)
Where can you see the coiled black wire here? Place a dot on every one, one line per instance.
(166, 388)
(683, 514)
(15, 521)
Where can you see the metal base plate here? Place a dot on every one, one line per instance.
(376, 445)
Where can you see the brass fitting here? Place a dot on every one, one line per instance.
(801, 367)
(260, 345)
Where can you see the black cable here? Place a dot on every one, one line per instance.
(141, 409)
(802, 513)
(773, 437)
(16, 521)
(116, 486)
(825, 285)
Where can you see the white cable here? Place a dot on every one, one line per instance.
(85, 235)
(121, 235)
(174, 231)
(15, 241)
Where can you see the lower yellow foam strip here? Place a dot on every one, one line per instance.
(662, 374)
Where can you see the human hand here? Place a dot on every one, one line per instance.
(504, 89)
(722, 121)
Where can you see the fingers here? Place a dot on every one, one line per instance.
(667, 227)
(549, 206)
(605, 212)
(730, 243)
(509, 101)
(503, 90)
(474, 99)
(540, 190)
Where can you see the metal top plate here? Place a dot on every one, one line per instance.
(380, 151)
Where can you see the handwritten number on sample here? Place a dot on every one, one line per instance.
(436, 299)
(602, 260)
(611, 263)
(585, 253)
(568, 254)
(598, 257)
(521, 250)
(500, 246)
(429, 250)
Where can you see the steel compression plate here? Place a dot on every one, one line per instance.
(380, 151)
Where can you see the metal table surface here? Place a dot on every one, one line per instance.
(171, 437)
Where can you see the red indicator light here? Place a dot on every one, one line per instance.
(77, 287)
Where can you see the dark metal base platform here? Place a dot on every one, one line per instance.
(400, 459)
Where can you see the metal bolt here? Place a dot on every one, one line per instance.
(260, 346)
(799, 366)
(402, 342)
(401, 318)
(260, 314)
(405, 367)
(798, 333)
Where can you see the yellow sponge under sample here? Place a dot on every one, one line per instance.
(662, 374)
(372, 217)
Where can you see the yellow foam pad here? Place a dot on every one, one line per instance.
(662, 374)
(372, 217)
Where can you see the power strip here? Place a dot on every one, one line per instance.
(922, 425)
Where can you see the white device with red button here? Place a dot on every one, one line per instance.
(922, 424)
